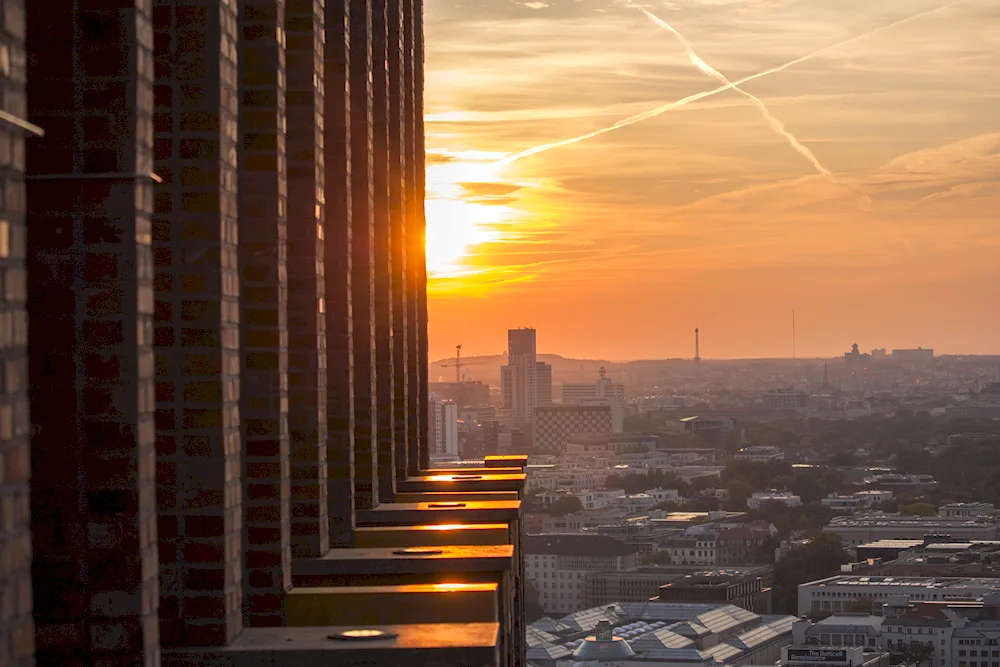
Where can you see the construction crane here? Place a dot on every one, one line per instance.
(457, 364)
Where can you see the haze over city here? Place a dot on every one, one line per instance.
(860, 188)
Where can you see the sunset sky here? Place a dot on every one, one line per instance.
(876, 216)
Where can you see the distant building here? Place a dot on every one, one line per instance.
(761, 454)
(903, 484)
(519, 378)
(966, 510)
(879, 354)
(852, 502)
(864, 528)
(543, 378)
(712, 429)
(462, 394)
(555, 424)
(607, 444)
(749, 588)
(855, 357)
(786, 399)
(558, 566)
(919, 354)
(784, 497)
(442, 427)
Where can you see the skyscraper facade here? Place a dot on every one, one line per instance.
(215, 377)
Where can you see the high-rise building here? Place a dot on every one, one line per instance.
(519, 378)
(543, 384)
(443, 427)
(216, 395)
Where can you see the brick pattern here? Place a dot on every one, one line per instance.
(414, 247)
(337, 273)
(398, 92)
(420, 228)
(363, 259)
(93, 511)
(307, 359)
(16, 627)
(196, 335)
(264, 331)
(382, 159)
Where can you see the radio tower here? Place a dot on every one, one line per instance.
(697, 352)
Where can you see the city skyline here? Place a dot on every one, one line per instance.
(881, 231)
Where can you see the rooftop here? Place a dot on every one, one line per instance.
(576, 544)
(949, 583)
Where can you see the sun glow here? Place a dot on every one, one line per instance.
(465, 207)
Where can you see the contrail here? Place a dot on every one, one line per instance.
(652, 113)
(772, 121)
(775, 124)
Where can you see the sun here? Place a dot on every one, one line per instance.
(458, 218)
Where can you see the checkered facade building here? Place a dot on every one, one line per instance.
(555, 424)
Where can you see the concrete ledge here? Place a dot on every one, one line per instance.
(447, 482)
(392, 605)
(387, 561)
(432, 535)
(506, 460)
(447, 496)
(425, 644)
(413, 514)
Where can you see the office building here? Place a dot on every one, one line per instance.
(843, 592)
(543, 381)
(864, 528)
(217, 209)
(786, 399)
(558, 565)
(555, 424)
(698, 585)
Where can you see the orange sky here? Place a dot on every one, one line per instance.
(865, 194)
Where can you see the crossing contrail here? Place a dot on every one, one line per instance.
(670, 106)
(772, 121)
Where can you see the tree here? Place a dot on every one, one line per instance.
(656, 558)
(565, 505)
(533, 609)
(918, 653)
(918, 509)
(820, 558)
(862, 605)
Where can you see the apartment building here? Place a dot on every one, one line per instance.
(217, 209)
(558, 566)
